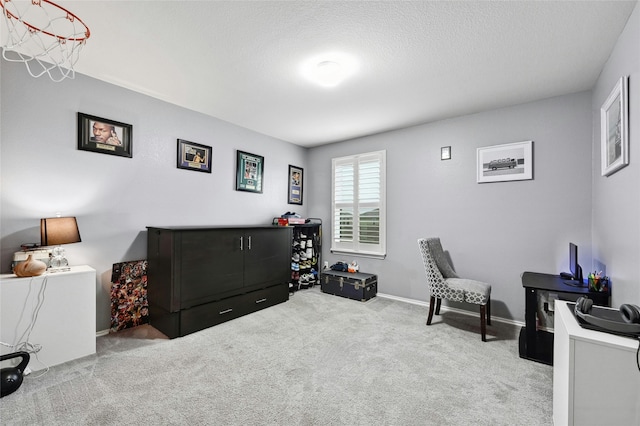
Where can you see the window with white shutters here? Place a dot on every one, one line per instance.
(358, 204)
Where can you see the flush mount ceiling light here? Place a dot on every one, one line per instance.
(329, 70)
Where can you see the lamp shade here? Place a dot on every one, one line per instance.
(59, 230)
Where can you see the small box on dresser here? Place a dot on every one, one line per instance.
(353, 285)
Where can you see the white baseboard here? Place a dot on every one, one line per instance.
(447, 308)
(413, 302)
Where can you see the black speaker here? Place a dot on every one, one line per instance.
(11, 378)
(626, 321)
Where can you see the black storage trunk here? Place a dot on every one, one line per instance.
(356, 286)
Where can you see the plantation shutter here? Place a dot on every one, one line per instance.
(358, 204)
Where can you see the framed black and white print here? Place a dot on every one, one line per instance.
(249, 172)
(510, 161)
(295, 184)
(194, 156)
(104, 136)
(614, 124)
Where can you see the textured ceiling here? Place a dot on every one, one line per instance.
(418, 61)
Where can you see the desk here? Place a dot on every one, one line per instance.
(537, 345)
(66, 323)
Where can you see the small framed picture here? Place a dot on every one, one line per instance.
(249, 172)
(193, 156)
(295, 184)
(614, 123)
(104, 136)
(509, 161)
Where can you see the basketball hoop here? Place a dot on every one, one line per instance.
(46, 37)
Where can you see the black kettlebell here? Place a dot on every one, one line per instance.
(11, 378)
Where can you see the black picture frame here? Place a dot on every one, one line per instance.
(194, 156)
(296, 184)
(105, 136)
(249, 172)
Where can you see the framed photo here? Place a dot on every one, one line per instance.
(614, 127)
(510, 161)
(249, 172)
(104, 136)
(193, 156)
(295, 184)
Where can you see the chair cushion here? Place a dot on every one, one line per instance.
(435, 247)
(474, 291)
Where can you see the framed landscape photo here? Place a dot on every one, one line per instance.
(614, 127)
(104, 136)
(295, 184)
(249, 172)
(506, 162)
(193, 156)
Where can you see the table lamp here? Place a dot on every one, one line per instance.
(56, 231)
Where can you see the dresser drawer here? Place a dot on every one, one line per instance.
(266, 297)
(210, 314)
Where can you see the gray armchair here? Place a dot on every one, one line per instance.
(444, 283)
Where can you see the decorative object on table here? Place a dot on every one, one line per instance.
(46, 37)
(506, 162)
(340, 266)
(30, 268)
(445, 153)
(129, 305)
(295, 184)
(104, 136)
(598, 282)
(42, 255)
(353, 267)
(56, 231)
(249, 172)
(614, 128)
(11, 377)
(194, 156)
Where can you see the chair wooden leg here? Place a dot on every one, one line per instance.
(483, 324)
(432, 302)
(489, 311)
(438, 306)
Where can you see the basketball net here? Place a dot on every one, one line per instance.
(44, 36)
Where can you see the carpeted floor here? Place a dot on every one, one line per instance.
(314, 360)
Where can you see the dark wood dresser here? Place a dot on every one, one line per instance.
(202, 276)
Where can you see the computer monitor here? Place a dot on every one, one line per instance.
(574, 267)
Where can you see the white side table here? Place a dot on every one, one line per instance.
(66, 323)
(595, 377)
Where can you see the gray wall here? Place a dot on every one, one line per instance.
(616, 207)
(115, 198)
(493, 231)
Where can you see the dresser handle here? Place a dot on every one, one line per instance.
(249, 242)
(241, 243)
(225, 311)
(261, 300)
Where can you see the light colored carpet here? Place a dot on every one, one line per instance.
(314, 360)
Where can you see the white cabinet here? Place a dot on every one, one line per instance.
(65, 325)
(595, 377)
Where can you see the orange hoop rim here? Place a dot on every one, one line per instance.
(70, 16)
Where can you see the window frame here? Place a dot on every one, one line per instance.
(355, 247)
